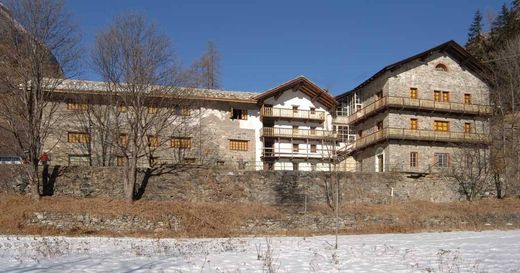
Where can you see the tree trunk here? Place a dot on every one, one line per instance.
(130, 179)
(34, 182)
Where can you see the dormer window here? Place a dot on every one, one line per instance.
(441, 67)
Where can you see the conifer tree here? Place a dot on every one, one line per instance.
(475, 30)
(500, 27)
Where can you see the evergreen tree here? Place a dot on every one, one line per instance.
(515, 18)
(475, 30)
(501, 21)
(500, 28)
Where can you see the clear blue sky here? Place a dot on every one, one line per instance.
(337, 44)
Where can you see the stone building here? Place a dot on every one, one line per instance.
(416, 114)
(412, 116)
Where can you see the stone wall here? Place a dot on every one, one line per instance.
(218, 185)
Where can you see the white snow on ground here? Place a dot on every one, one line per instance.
(489, 251)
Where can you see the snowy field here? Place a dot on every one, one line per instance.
(490, 251)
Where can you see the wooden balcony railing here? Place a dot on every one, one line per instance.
(422, 135)
(297, 133)
(420, 104)
(274, 112)
(279, 152)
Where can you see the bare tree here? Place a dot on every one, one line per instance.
(38, 49)
(505, 97)
(138, 67)
(208, 68)
(471, 168)
(96, 118)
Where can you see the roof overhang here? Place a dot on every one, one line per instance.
(303, 85)
(451, 47)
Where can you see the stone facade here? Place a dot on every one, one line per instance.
(209, 126)
(296, 125)
(390, 134)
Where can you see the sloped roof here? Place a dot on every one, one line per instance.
(451, 47)
(96, 87)
(304, 85)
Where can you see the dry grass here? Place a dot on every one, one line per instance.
(228, 219)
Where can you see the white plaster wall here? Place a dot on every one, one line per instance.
(289, 98)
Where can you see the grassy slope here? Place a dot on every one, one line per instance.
(229, 219)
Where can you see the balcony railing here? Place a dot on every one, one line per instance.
(297, 133)
(274, 112)
(279, 152)
(402, 102)
(421, 135)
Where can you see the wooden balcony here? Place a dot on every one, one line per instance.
(274, 153)
(275, 132)
(290, 114)
(419, 135)
(416, 104)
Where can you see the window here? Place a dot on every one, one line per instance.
(154, 160)
(239, 114)
(121, 161)
(153, 141)
(413, 93)
(77, 106)
(79, 160)
(313, 111)
(314, 148)
(343, 133)
(437, 95)
(184, 111)
(441, 160)
(413, 123)
(238, 145)
(380, 125)
(295, 130)
(123, 139)
(443, 126)
(295, 109)
(75, 137)
(360, 133)
(441, 96)
(189, 160)
(467, 128)
(441, 67)
(295, 148)
(413, 159)
(181, 142)
(379, 94)
(313, 131)
(152, 109)
(121, 108)
(467, 98)
(445, 96)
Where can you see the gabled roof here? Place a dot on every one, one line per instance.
(304, 85)
(451, 47)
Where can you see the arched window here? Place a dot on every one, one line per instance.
(441, 67)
